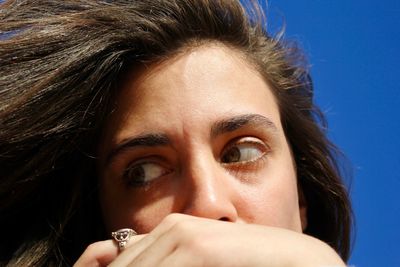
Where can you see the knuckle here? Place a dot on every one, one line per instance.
(92, 248)
(172, 218)
(183, 227)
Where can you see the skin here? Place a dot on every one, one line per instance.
(203, 129)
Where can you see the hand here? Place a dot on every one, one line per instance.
(182, 240)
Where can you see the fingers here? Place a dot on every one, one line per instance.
(102, 253)
(182, 240)
(154, 252)
(160, 247)
(98, 254)
(107, 253)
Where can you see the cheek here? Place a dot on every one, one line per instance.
(149, 216)
(124, 208)
(274, 202)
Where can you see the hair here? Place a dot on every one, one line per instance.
(60, 66)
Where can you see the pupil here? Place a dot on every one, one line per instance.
(137, 175)
(232, 156)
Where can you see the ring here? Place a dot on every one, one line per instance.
(122, 236)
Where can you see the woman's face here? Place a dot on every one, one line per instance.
(198, 134)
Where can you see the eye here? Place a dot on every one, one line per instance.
(144, 172)
(244, 150)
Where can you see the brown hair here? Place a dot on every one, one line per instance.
(60, 64)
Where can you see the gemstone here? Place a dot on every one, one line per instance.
(122, 235)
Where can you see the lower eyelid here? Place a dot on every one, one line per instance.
(246, 171)
(249, 164)
(147, 184)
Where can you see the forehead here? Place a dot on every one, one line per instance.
(189, 91)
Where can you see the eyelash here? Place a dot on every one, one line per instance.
(236, 168)
(142, 162)
(248, 165)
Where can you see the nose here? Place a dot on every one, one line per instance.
(209, 192)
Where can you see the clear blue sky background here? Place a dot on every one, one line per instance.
(353, 47)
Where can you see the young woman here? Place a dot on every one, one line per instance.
(182, 120)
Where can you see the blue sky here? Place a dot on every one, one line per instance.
(353, 50)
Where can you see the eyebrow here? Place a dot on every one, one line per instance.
(148, 140)
(237, 122)
(219, 127)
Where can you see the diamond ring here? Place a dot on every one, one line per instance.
(122, 236)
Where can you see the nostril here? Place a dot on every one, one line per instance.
(225, 219)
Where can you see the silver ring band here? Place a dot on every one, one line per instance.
(122, 236)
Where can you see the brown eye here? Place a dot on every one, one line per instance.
(243, 152)
(232, 155)
(143, 173)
